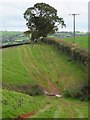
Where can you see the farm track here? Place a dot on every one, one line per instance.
(50, 107)
(43, 70)
(40, 111)
(59, 110)
(29, 63)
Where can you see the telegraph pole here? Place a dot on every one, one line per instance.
(74, 15)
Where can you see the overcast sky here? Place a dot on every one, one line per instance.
(11, 13)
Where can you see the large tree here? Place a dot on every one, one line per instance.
(42, 20)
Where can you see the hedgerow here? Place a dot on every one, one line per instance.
(75, 52)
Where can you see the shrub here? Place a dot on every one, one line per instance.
(35, 90)
(81, 91)
(75, 52)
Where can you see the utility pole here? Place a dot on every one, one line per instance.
(74, 15)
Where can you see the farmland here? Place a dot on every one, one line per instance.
(44, 60)
(31, 63)
(81, 41)
(12, 37)
(42, 106)
(43, 65)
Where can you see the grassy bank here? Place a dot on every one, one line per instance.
(33, 64)
(43, 65)
(42, 106)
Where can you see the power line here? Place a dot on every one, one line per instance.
(74, 15)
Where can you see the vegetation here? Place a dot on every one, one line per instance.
(12, 37)
(40, 64)
(74, 51)
(15, 104)
(79, 40)
(42, 20)
(29, 70)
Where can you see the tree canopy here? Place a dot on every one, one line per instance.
(42, 20)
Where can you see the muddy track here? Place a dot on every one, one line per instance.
(39, 74)
(36, 74)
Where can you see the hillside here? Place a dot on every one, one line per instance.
(43, 66)
(42, 106)
(12, 37)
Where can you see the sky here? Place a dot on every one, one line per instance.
(11, 13)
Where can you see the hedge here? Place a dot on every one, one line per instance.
(75, 53)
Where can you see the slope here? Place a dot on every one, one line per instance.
(40, 64)
(15, 104)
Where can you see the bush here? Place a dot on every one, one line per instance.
(31, 89)
(81, 91)
(35, 90)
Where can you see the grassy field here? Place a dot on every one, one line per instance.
(40, 63)
(45, 66)
(9, 33)
(80, 40)
(12, 37)
(42, 106)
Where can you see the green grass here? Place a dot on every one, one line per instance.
(82, 41)
(43, 65)
(42, 106)
(13, 71)
(14, 104)
(9, 33)
(40, 64)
